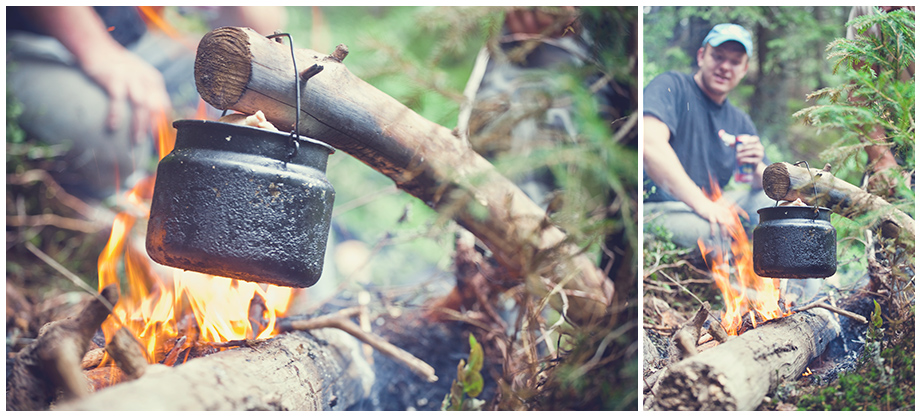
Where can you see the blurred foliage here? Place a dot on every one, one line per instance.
(872, 69)
(593, 374)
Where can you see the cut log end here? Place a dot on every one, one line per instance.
(776, 183)
(223, 66)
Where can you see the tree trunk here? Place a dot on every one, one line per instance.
(292, 371)
(784, 181)
(236, 68)
(737, 374)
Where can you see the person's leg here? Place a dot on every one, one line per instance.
(61, 106)
(685, 226)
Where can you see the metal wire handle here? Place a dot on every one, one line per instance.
(294, 143)
(815, 187)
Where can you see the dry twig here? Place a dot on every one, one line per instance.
(821, 304)
(49, 219)
(342, 322)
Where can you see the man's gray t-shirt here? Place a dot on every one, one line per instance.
(694, 121)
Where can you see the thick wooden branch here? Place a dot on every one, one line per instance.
(52, 363)
(737, 374)
(784, 181)
(236, 68)
(293, 371)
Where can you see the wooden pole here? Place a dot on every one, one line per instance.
(737, 374)
(784, 181)
(236, 68)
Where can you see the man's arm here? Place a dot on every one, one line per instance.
(663, 166)
(122, 74)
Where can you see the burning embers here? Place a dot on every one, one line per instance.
(750, 300)
(170, 310)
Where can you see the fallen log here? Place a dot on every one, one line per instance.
(737, 374)
(784, 181)
(292, 371)
(236, 68)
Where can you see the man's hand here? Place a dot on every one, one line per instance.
(749, 150)
(721, 218)
(127, 78)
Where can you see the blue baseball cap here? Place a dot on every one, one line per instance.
(724, 32)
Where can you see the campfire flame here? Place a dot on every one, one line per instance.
(748, 294)
(160, 300)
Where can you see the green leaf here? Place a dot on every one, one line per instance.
(473, 385)
(476, 356)
(877, 315)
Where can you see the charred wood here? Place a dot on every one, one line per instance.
(127, 353)
(93, 358)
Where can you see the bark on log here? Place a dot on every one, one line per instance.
(784, 181)
(236, 68)
(736, 375)
(292, 371)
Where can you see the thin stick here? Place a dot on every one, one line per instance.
(173, 354)
(681, 286)
(70, 275)
(821, 304)
(49, 219)
(343, 323)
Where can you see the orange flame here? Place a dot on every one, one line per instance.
(153, 15)
(748, 294)
(158, 297)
